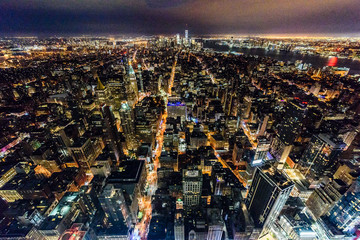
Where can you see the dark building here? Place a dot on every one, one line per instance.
(292, 121)
(113, 133)
(345, 215)
(322, 153)
(267, 195)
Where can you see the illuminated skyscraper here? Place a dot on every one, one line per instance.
(186, 37)
(179, 228)
(292, 121)
(192, 185)
(345, 215)
(83, 152)
(262, 148)
(127, 124)
(288, 130)
(113, 203)
(101, 91)
(112, 132)
(140, 78)
(130, 83)
(267, 195)
(178, 39)
(325, 197)
(322, 152)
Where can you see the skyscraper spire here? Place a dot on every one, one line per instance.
(99, 86)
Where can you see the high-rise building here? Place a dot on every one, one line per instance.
(192, 185)
(112, 132)
(280, 151)
(178, 39)
(322, 152)
(325, 197)
(140, 78)
(288, 130)
(116, 85)
(186, 37)
(292, 120)
(179, 228)
(345, 215)
(267, 195)
(101, 91)
(113, 203)
(262, 148)
(128, 125)
(216, 224)
(83, 152)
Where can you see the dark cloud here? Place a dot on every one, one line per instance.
(70, 17)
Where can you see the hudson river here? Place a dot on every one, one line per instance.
(315, 60)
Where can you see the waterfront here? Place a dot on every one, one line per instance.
(316, 61)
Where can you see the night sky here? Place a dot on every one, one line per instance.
(71, 17)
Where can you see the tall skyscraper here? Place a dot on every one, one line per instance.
(140, 78)
(267, 195)
(112, 132)
(83, 152)
(179, 228)
(216, 224)
(345, 215)
(322, 152)
(292, 121)
(288, 130)
(113, 203)
(192, 185)
(262, 148)
(127, 124)
(178, 39)
(130, 83)
(325, 197)
(186, 37)
(101, 91)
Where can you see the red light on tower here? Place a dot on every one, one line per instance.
(332, 62)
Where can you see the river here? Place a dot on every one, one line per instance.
(315, 60)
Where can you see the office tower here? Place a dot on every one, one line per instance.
(288, 130)
(292, 121)
(82, 151)
(140, 78)
(263, 125)
(116, 84)
(179, 228)
(262, 148)
(267, 195)
(246, 107)
(177, 108)
(178, 39)
(325, 197)
(130, 83)
(112, 132)
(280, 151)
(192, 185)
(101, 91)
(128, 125)
(216, 224)
(113, 203)
(186, 37)
(345, 215)
(321, 154)
(133, 81)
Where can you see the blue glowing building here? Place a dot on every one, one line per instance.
(345, 215)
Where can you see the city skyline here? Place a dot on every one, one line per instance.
(153, 17)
